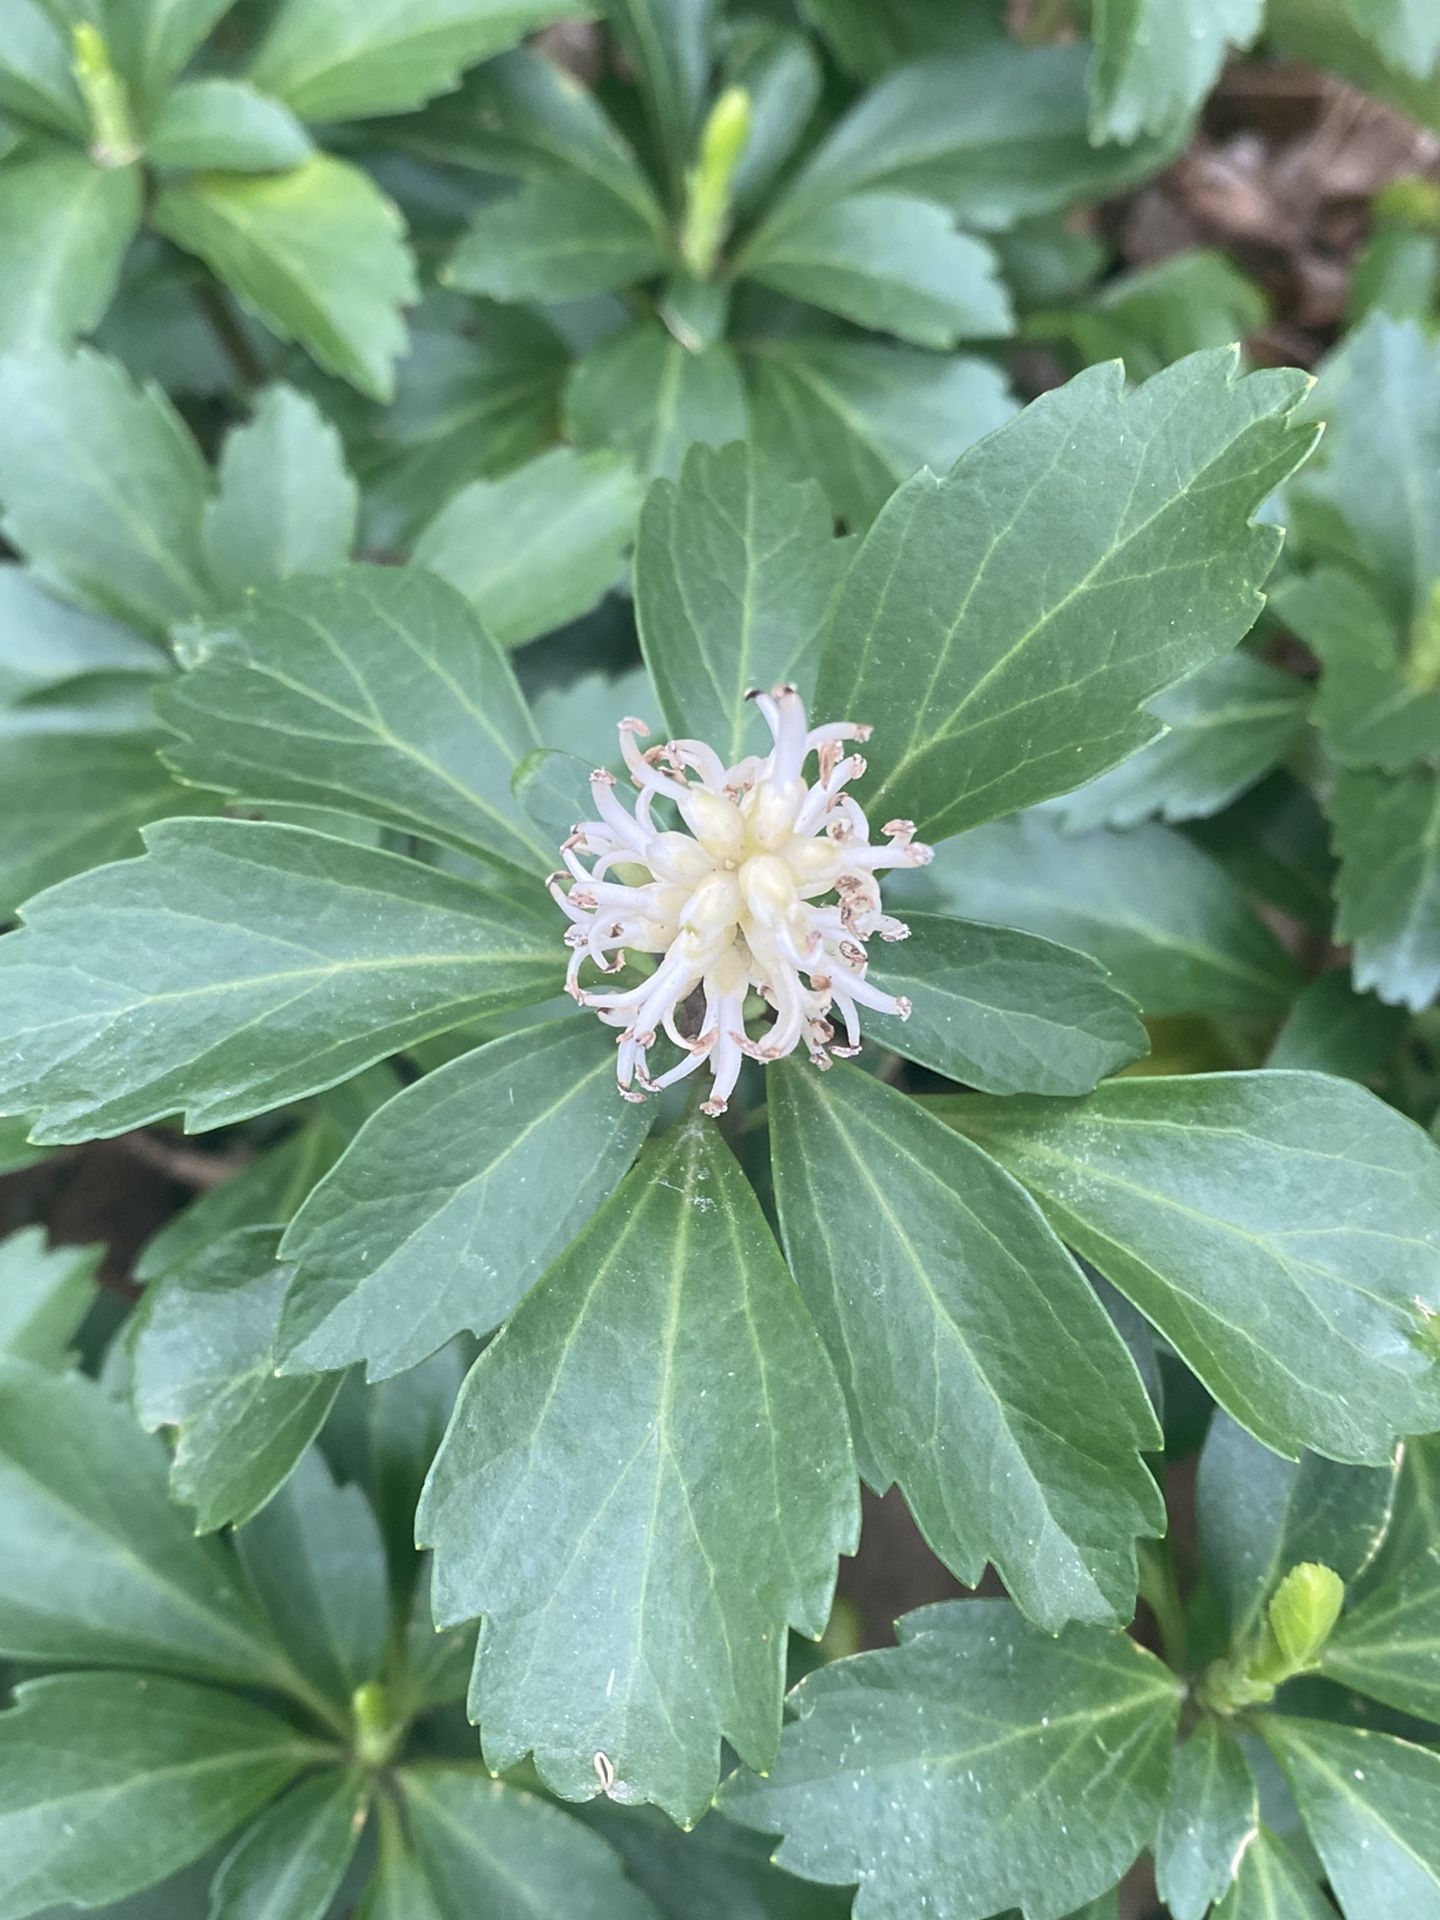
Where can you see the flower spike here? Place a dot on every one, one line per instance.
(772, 890)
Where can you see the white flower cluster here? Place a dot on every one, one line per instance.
(773, 886)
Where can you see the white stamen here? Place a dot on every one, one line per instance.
(773, 891)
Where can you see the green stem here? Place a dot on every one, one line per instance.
(1161, 1593)
(112, 131)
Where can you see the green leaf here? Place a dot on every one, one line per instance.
(316, 1561)
(667, 43)
(289, 1865)
(240, 965)
(657, 1425)
(1380, 472)
(478, 1846)
(1323, 33)
(1004, 1011)
(860, 417)
(994, 136)
(1155, 60)
(463, 409)
(1275, 842)
(151, 40)
(735, 570)
(1227, 726)
(374, 690)
(983, 1376)
(978, 1764)
(1230, 1202)
(99, 1565)
(1373, 709)
(103, 487)
(15, 1148)
(1269, 1885)
(318, 254)
(204, 1360)
(1406, 32)
(1368, 1802)
(888, 261)
(455, 1198)
(45, 1293)
(717, 1871)
(781, 75)
(537, 547)
(330, 61)
(948, 638)
(1333, 1029)
(229, 125)
(868, 41)
(109, 1782)
(556, 240)
(640, 391)
(1388, 1646)
(1261, 1514)
(1415, 1521)
(285, 502)
(79, 777)
(1163, 918)
(45, 641)
(1212, 1816)
(1387, 833)
(36, 80)
(64, 224)
(1151, 315)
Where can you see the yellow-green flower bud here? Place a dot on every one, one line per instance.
(1303, 1612)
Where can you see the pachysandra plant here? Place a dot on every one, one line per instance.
(652, 1465)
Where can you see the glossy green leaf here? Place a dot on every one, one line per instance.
(285, 502)
(45, 641)
(556, 240)
(110, 1782)
(735, 570)
(317, 253)
(36, 80)
(1004, 1011)
(226, 124)
(45, 1292)
(204, 1362)
(1368, 1801)
(646, 1478)
(455, 1198)
(1228, 725)
(151, 40)
(103, 487)
(289, 1865)
(983, 1376)
(80, 775)
(1260, 1515)
(463, 409)
(994, 136)
(1406, 32)
(64, 224)
(478, 1846)
(1230, 1203)
(716, 1871)
(1380, 472)
(537, 547)
(1155, 60)
(954, 644)
(781, 74)
(1333, 1029)
(99, 1565)
(1149, 316)
(668, 45)
(1165, 921)
(889, 261)
(1389, 1645)
(1387, 833)
(1372, 709)
(860, 417)
(374, 690)
(332, 61)
(1274, 842)
(979, 1764)
(1415, 1520)
(172, 962)
(1270, 1885)
(868, 42)
(1211, 1817)
(640, 391)
(315, 1559)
